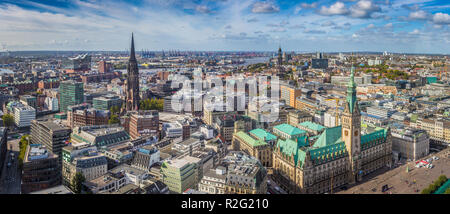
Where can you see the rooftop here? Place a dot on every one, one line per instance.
(250, 140)
(262, 134)
(312, 126)
(288, 129)
(181, 162)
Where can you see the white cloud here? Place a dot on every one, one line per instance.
(328, 23)
(415, 31)
(418, 15)
(265, 7)
(202, 9)
(308, 6)
(337, 8)
(441, 19)
(364, 9)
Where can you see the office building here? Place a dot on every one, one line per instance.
(254, 147)
(106, 102)
(410, 143)
(213, 181)
(104, 67)
(289, 93)
(438, 129)
(70, 93)
(180, 174)
(82, 158)
(172, 130)
(145, 157)
(41, 169)
(144, 123)
(23, 115)
(50, 134)
(88, 117)
(380, 112)
(245, 174)
(102, 135)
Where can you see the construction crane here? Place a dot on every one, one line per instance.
(337, 104)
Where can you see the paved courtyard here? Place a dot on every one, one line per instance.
(400, 181)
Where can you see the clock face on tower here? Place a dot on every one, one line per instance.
(346, 133)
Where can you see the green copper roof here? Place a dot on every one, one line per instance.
(329, 136)
(290, 148)
(288, 129)
(328, 153)
(374, 138)
(248, 139)
(312, 126)
(351, 91)
(262, 134)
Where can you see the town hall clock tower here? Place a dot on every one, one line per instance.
(351, 130)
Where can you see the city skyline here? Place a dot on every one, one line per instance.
(410, 26)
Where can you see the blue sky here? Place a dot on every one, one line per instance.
(413, 26)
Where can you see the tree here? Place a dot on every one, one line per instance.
(114, 109)
(442, 178)
(426, 191)
(447, 191)
(23, 144)
(113, 119)
(77, 182)
(8, 120)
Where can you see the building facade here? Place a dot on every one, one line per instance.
(70, 93)
(339, 156)
(41, 169)
(50, 134)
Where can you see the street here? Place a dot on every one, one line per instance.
(10, 180)
(273, 187)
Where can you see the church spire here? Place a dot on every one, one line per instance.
(132, 53)
(351, 89)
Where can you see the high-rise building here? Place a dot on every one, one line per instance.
(289, 94)
(50, 134)
(70, 93)
(132, 103)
